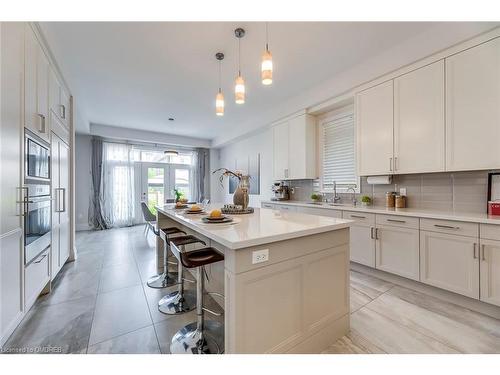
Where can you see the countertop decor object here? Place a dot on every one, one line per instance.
(366, 200)
(241, 194)
(236, 209)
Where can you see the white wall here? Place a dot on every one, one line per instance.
(261, 143)
(83, 180)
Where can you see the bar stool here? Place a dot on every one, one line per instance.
(180, 301)
(200, 337)
(165, 279)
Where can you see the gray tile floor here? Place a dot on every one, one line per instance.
(101, 304)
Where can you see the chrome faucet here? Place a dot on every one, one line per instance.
(353, 197)
(336, 197)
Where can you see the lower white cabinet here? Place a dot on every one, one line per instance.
(362, 242)
(397, 251)
(490, 271)
(36, 277)
(320, 212)
(450, 262)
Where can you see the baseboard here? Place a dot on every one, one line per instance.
(82, 227)
(457, 299)
(11, 328)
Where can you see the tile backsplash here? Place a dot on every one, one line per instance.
(449, 191)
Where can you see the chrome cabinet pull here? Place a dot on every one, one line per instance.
(41, 129)
(371, 233)
(483, 256)
(63, 111)
(395, 163)
(42, 258)
(396, 221)
(358, 216)
(474, 251)
(445, 226)
(390, 164)
(64, 199)
(23, 200)
(376, 234)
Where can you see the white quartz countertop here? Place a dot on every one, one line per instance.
(412, 212)
(261, 227)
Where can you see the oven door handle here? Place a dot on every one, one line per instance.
(58, 200)
(23, 196)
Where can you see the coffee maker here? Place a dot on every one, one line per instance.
(281, 192)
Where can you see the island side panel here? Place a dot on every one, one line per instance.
(296, 302)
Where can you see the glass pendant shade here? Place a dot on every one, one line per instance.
(219, 104)
(267, 68)
(239, 90)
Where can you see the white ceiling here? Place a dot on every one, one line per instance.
(137, 74)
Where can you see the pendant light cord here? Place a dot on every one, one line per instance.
(239, 57)
(220, 68)
(267, 37)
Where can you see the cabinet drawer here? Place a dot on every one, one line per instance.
(283, 207)
(359, 217)
(490, 231)
(397, 221)
(36, 276)
(320, 212)
(452, 227)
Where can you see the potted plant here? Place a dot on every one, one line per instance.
(316, 197)
(366, 200)
(178, 195)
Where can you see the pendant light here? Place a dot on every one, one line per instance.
(267, 63)
(219, 99)
(239, 88)
(171, 152)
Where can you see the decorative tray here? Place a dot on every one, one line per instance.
(234, 209)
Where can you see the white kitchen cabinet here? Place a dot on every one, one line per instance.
(59, 99)
(490, 271)
(450, 262)
(397, 250)
(320, 212)
(36, 86)
(37, 275)
(280, 146)
(374, 128)
(419, 128)
(473, 108)
(60, 246)
(362, 237)
(11, 141)
(294, 144)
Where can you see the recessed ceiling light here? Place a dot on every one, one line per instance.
(170, 119)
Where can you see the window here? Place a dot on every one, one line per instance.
(338, 152)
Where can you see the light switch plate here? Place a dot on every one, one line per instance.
(402, 191)
(260, 256)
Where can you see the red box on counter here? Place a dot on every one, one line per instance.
(493, 208)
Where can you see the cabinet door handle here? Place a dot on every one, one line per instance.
(474, 251)
(445, 226)
(42, 258)
(358, 216)
(390, 164)
(23, 201)
(41, 129)
(395, 163)
(63, 111)
(483, 257)
(376, 233)
(396, 221)
(63, 199)
(371, 233)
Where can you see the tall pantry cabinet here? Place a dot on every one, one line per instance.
(33, 96)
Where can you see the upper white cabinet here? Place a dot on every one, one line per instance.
(419, 120)
(36, 86)
(59, 99)
(473, 108)
(294, 144)
(374, 126)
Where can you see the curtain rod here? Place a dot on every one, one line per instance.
(150, 145)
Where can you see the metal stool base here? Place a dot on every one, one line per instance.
(188, 339)
(163, 280)
(174, 304)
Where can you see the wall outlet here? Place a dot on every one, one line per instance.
(260, 256)
(402, 191)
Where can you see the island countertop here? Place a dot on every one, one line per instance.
(261, 227)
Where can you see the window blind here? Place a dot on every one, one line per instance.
(339, 163)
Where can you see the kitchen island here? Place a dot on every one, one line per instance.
(285, 277)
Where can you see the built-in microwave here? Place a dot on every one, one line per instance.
(37, 158)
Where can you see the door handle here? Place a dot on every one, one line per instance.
(23, 200)
(42, 258)
(41, 129)
(483, 256)
(371, 233)
(474, 251)
(63, 111)
(395, 163)
(376, 233)
(63, 199)
(396, 221)
(445, 226)
(390, 164)
(358, 216)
